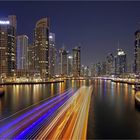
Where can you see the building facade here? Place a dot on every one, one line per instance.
(63, 62)
(70, 65)
(41, 47)
(31, 58)
(8, 46)
(22, 52)
(110, 64)
(137, 52)
(120, 62)
(52, 54)
(76, 61)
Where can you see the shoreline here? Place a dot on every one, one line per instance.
(31, 83)
(125, 82)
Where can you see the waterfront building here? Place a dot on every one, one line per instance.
(86, 71)
(120, 62)
(52, 54)
(70, 65)
(41, 47)
(82, 70)
(137, 52)
(93, 70)
(103, 68)
(63, 62)
(22, 53)
(31, 55)
(31, 60)
(76, 61)
(98, 69)
(110, 64)
(8, 27)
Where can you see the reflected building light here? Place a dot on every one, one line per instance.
(126, 91)
(52, 89)
(0, 107)
(72, 83)
(60, 87)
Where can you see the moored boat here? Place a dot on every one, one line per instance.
(137, 98)
(137, 88)
(2, 91)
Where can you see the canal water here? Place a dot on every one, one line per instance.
(18, 97)
(112, 110)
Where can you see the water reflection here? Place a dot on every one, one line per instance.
(18, 97)
(113, 113)
(52, 89)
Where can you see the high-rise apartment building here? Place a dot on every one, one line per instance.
(63, 62)
(110, 64)
(98, 69)
(70, 65)
(76, 61)
(93, 70)
(31, 58)
(52, 54)
(41, 47)
(22, 52)
(120, 62)
(8, 46)
(137, 52)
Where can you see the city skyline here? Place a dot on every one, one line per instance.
(69, 70)
(107, 21)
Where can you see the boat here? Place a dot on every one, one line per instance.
(137, 88)
(137, 98)
(2, 91)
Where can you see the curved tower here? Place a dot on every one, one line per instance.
(41, 46)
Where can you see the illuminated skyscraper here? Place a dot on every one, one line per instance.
(70, 65)
(63, 62)
(8, 46)
(120, 62)
(137, 52)
(76, 61)
(93, 70)
(109, 64)
(22, 52)
(41, 47)
(98, 69)
(52, 54)
(31, 58)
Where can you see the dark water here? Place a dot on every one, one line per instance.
(18, 97)
(112, 112)
(112, 109)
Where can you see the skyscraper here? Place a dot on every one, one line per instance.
(22, 52)
(63, 62)
(31, 58)
(52, 54)
(76, 61)
(109, 64)
(41, 46)
(137, 52)
(8, 46)
(120, 62)
(98, 69)
(103, 68)
(70, 65)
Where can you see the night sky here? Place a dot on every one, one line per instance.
(97, 26)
